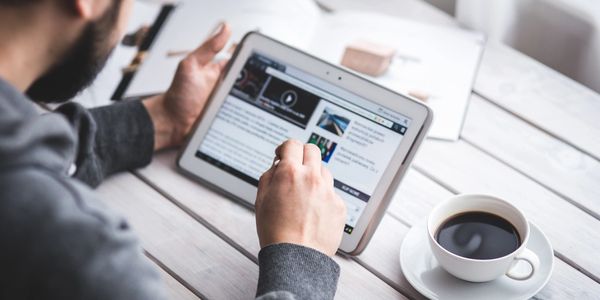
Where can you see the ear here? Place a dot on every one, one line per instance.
(86, 9)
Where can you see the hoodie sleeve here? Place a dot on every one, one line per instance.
(289, 271)
(111, 139)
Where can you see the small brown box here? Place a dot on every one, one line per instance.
(368, 57)
(420, 95)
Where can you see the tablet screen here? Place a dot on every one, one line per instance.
(271, 102)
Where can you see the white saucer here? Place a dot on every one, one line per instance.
(424, 273)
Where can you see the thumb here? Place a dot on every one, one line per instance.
(222, 64)
(207, 51)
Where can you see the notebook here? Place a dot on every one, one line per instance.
(436, 61)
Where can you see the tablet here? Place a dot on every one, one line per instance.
(272, 92)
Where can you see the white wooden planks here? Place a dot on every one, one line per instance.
(416, 196)
(237, 224)
(541, 96)
(175, 289)
(198, 256)
(557, 165)
(383, 254)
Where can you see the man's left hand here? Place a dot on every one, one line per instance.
(174, 112)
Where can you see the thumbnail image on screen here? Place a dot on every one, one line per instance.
(333, 122)
(325, 145)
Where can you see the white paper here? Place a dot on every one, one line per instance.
(439, 61)
(291, 21)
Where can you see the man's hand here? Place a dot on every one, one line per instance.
(174, 112)
(296, 202)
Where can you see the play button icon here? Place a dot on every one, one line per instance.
(242, 76)
(289, 98)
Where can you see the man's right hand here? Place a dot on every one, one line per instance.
(296, 202)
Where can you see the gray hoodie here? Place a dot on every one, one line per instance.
(60, 242)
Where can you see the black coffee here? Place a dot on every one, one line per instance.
(478, 235)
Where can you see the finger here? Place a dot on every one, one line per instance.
(277, 150)
(207, 51)
(291, 151)
(222, 64)
(312, 156)
(215, 70)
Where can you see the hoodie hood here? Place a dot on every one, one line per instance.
(28, 138)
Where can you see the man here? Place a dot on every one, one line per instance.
(58, 240)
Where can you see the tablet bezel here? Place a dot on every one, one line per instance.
(420, 115)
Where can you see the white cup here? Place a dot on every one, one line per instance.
(481, 270)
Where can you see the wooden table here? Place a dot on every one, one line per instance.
(532, 136)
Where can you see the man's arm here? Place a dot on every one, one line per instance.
(123, 136)
(299, 217)
(300, 220)
(290, 271)
(111, 139)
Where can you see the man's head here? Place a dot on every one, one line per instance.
(100, 24)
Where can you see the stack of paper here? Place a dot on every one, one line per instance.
(438, 62)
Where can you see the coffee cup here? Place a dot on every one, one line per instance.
(479, 238)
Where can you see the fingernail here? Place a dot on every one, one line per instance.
(218, 29)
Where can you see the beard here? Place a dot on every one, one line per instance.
(81, 64)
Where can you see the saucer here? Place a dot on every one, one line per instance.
(422, 270)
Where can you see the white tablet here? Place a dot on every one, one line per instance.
(271, 92)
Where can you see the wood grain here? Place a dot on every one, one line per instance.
(541, 96)
(555, 164)
(237, 224)
(175, 289)
(202, 259)
(383, 254)
(466, 169)
(415, 198)
(413, 201)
